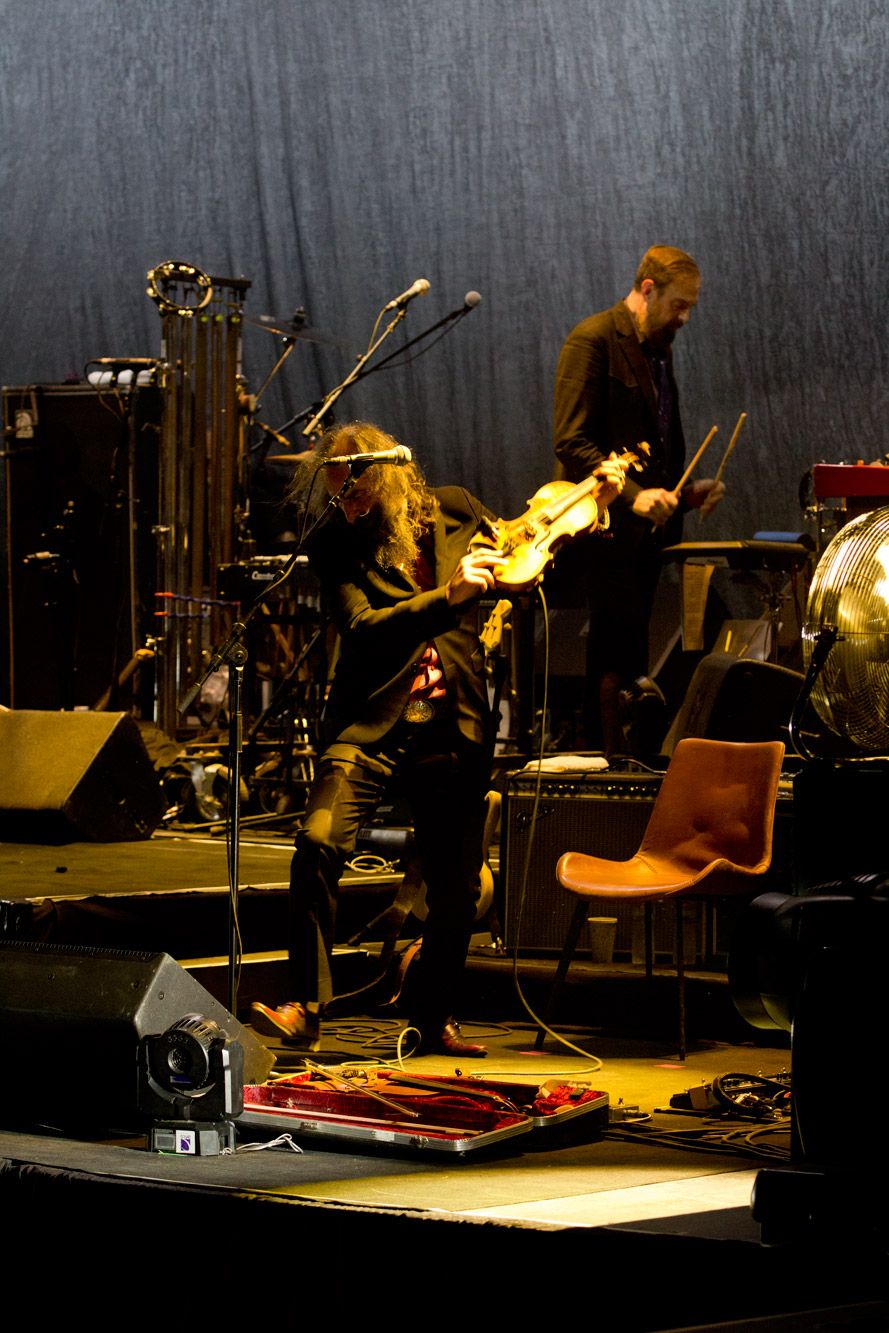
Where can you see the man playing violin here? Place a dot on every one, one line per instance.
(409, 700)
(614, 389)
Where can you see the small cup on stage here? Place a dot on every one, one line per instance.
(602, 932)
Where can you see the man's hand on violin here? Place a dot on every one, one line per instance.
(612, 475)
(656, 504)
(704, 495)
(475, 575)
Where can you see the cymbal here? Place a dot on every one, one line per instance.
(288, 328)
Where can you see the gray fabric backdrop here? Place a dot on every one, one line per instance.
(334, 151)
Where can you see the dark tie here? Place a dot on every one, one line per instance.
(664, 398)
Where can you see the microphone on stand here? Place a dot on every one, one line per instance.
(399, 456)
(419, 288)
(470, 301)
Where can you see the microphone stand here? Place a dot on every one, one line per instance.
(446, 319)
(233, 654)
(354, 373)
(362, 371)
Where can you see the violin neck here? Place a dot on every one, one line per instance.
(564, 503)
(583, 488)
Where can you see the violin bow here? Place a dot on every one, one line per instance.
(731, 444)
(694, 462)
(346, 1085)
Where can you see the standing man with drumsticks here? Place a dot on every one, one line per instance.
(614, 390)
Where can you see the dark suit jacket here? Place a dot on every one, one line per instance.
(385, 623)
(605, 400)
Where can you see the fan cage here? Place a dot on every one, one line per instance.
(850, 592)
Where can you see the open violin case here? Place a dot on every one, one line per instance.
(388, 1108)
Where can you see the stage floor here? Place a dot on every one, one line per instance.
(618, 1226)
(634, 1225)
(620, 1178)
(168, 862)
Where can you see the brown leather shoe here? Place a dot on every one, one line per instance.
(292, 1023)
(447, 1040)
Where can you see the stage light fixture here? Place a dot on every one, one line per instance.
(191, 1086)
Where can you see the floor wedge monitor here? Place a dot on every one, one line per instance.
(71, 776)
(71, 1020)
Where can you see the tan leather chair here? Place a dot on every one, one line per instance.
(709, 835)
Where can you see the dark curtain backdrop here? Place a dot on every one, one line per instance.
(334, 151)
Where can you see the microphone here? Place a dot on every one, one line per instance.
(399, 455)
(419, 288)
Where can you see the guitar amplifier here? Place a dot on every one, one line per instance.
(603, 814)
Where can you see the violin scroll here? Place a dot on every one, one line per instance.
(559, 511)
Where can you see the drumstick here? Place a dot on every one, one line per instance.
(694, 462)
(731, 444)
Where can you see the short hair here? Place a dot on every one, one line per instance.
(664, 264)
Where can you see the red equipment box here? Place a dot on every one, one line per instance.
(832, 481)
(422, 1114)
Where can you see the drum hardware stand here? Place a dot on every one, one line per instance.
(297, 330)
(289, 345)
(233, 654)
(763, 565)
(275, 708)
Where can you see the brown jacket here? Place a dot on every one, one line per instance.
(605, 400)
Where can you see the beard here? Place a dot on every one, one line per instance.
(397, 547)
(391, 537)
(662, 338)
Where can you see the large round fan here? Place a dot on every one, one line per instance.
(850, 595)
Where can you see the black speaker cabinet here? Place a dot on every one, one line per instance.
(604, 814)
(67, 776)
(71, 1020)
(839, 831)
(78, 503)
(736, 699)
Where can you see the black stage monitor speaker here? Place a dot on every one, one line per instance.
(71, 1020)
(67, 776)
(736, 699)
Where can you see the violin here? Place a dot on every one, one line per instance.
(557, 512)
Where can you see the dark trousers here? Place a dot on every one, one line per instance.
(445, 778)
(623, 581)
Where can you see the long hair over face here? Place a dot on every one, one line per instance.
(398, 506)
